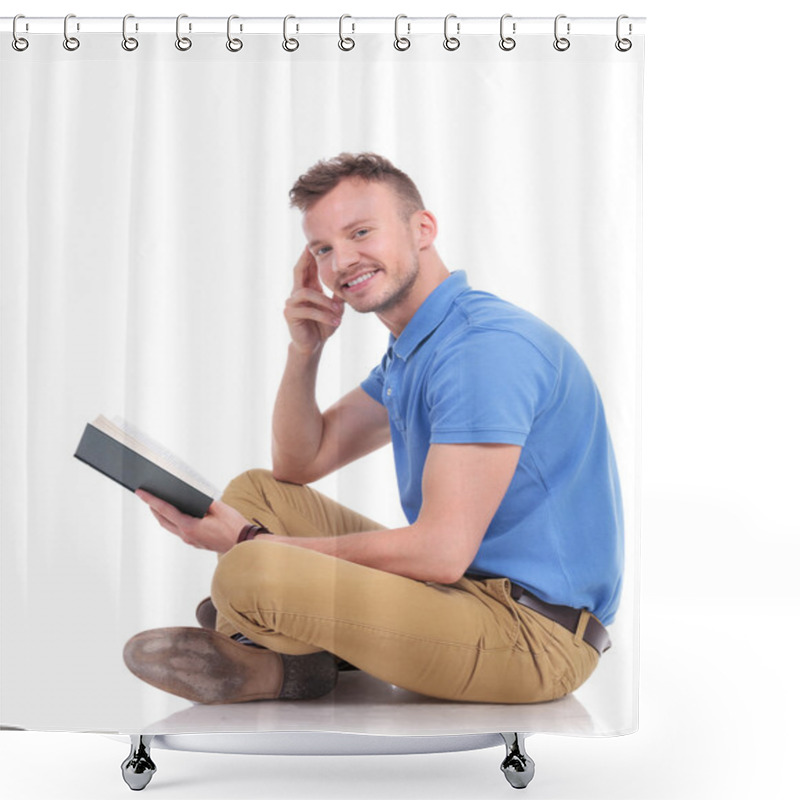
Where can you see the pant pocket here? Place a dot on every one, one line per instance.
(507, 609)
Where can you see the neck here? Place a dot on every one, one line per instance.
(432, 272)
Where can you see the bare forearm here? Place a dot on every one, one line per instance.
(404, 551)
(462, 487)
(297, 423)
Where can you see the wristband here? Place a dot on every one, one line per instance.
(250, 532)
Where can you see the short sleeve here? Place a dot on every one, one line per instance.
(486, 387)
(373, 383)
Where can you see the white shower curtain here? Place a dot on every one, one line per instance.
(147, 246)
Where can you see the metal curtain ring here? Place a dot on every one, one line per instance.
(623, 45)
(70, 42)
(18, 43)
(181, 42)
(234, 45)
(128, 42)
(401, 42)
(345, 42)
(289, 44)
(506, 42)
(561, 43)
(451, 42)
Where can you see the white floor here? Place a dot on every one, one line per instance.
(719, 712)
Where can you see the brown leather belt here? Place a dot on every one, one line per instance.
(595, 634)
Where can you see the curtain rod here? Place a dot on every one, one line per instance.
(327, 25)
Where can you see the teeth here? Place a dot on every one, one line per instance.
(360, 279)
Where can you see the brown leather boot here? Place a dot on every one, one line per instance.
(206, 614)
(208, 667)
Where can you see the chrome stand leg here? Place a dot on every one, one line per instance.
(138, 768)
(518, 766)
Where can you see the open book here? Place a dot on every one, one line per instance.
(132, 459)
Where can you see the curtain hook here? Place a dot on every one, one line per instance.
(129, 43)
(183, 43)
(451, 42)
(401, 43)
(290, 45)
(506, 42)
(623, 45)
(346, 43)
(234, 45)
(18, 43)
(70, 42)
(561, 43)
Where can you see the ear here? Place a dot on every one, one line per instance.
(425, 228)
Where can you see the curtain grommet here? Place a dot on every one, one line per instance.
(401, 43)
(289, 44)
(234, 45)
(70, 43)
(561, 43)
(183, 43)
(346, 43)
(19, 43)
(129, 43)
(507, 42)
(623, 44)
(451, 43)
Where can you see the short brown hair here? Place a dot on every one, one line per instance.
(326, 175)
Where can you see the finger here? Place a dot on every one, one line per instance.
(154, 502)
(305, 272)
(311, 277)
(164, 509)
(308, 313)
(183, 535)
(309, 297)
(165, 523)
(143, 495)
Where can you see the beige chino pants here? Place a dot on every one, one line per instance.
(467, 641)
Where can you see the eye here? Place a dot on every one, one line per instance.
(361, 232)
(322, 251)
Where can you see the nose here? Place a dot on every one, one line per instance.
(345, 255)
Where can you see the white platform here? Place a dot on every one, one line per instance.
(364, 706)
(362, 716)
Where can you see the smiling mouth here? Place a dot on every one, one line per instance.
(363, 278)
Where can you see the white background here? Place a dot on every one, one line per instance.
(719, 700)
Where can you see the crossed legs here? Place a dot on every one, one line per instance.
(467, 641)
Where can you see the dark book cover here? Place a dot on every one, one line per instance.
(134, 471)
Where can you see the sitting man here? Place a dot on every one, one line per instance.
(499, 587)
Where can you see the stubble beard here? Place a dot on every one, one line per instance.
(398, 293)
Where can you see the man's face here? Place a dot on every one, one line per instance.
(365, 250)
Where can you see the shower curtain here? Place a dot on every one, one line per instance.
(147, 246)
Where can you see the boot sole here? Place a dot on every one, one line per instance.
(209, 668)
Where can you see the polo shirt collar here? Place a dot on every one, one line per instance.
(429, 315)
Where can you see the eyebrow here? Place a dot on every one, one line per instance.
(349, 226)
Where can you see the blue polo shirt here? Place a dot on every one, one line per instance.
(471, 368)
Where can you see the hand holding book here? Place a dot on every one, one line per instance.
(181, 500)
(217, 530)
